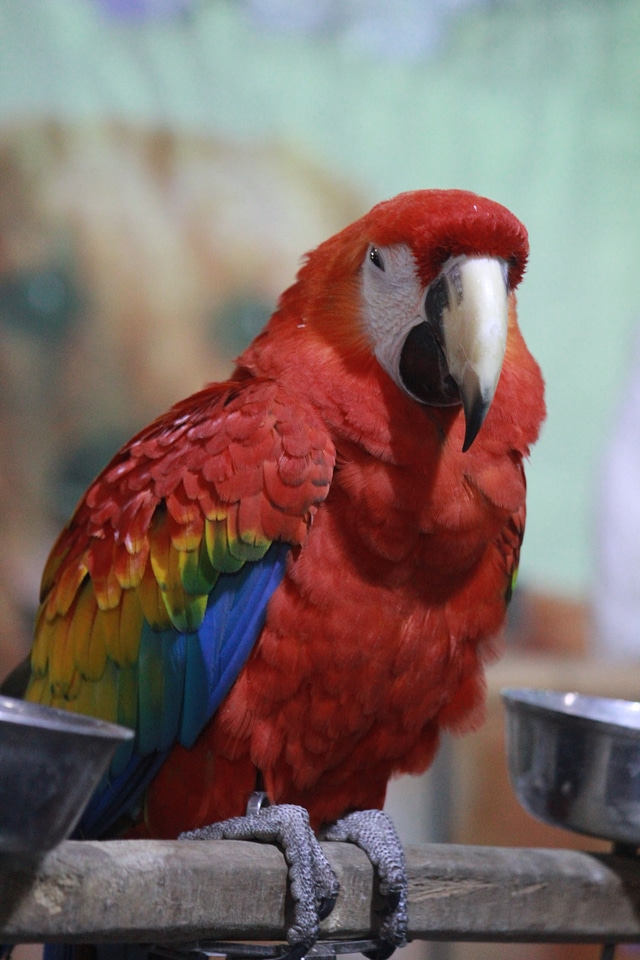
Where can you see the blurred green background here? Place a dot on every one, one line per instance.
(165, 163)
(309, 114)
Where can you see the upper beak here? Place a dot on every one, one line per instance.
(473, 328)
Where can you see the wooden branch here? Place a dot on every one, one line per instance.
(152, 891)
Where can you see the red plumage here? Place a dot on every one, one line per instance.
(400, 570)
(377, 637)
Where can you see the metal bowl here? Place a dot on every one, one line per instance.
(574, 761)
(50, 763)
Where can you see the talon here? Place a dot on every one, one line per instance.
(326, 906)
(392, 899)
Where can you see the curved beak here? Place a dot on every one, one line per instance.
(473, 327)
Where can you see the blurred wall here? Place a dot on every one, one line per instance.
(536, 104)
(165, 163)
(134, 265)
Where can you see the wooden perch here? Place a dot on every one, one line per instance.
(152, 891)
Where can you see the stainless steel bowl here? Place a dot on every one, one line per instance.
(50, 763)
(574, 761)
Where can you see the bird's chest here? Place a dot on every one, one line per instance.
(366, 642)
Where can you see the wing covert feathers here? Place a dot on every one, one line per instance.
(204, 490)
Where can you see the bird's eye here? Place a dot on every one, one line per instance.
(374, 256)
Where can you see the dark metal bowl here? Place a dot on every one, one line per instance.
(574, 761)
(50, 763)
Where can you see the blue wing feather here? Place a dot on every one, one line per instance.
(117, 797)
(234, 618)
(184, 678)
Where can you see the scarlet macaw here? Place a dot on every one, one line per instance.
(290, 581)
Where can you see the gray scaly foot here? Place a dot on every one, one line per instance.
(373, 831)
(313, 884)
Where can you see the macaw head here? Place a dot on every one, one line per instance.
(436, 296)
(423, 283)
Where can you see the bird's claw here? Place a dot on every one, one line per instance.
(312, 882)
(373, 831)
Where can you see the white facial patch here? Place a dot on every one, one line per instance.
(464, 310)
(392, 296)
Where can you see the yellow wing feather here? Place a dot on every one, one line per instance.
(202, 491)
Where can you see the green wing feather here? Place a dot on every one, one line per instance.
(202, 491)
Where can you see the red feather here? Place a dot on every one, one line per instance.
(402, 557)
(377, 637)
